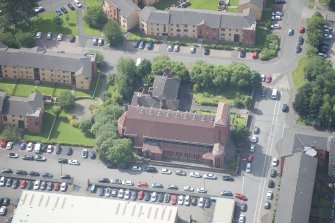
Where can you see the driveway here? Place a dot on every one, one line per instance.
(81, 108)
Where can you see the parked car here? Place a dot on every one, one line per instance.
(301, 40)
(40, 158)
(150, 45)
(141, 45)
(69, 151)
(9, 145)
(47, 175)
(273, 173)
(136, 168)
(188, 188)
(13, 155)
(193, 50)
(173, 199)
(62, 160)
(100, 41)
(201, 202)
(72, 39)
(21, 172)
(254, 139)
(166, 171)
(30, 144)
(58, 149)
(250, 158)
(33, 173)
(241, 196)
(180, 200)
(103, 180)
(73, 162)
(71, 6)
(256, 130)
(210, 176)
(269, 195)
(39, 9)
(206, 51)
(195, 175)
(172, 187)
(268, 79)
(298, 49)
(23, 146)
(151, 169)
(201, 190)
(275, 162)
(50, 149)
(271, 184)
(142, 184)
(285, 108)
(157, 185)
(84, 153)
(252, 148)
(63, 10)
(101, 191)
(243, 54)
(302, 29)
(127, 195)
(95, 41)
(28, 157)
(127, 183)
(170, 48)
(267, 205)
(181, 173)
(78, 4)
(244, 207)
(58, 12)
(92, 155)
(176, 48)
(228, 178)
(241, 219)
(275, 26)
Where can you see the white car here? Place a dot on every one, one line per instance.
(201, 190)
(39, 9)
(248, 168)
(38, 35)
(13, 155)
(195, 175)
(241, 218)
(78, 4)
(9, 145)
(269, 195)
(30, 147)
(60, 37)
(188, 188)
(276, 17)
(166, 171)
(73, 162)
(84, 153)
(254, 139)
(108, 192)
(100, 41)
(120, 193)
(275, 26)
(37, 184)
(201, 202)
(275, 162)
(3, 210)
(328, 36)
(127, 183)
(127, 195)
(277, 13)
(136, 168)
(49, 149)
(210, 176)
(187, 200)
(180, 199)
(63, 187)
(252, 148)
(153, 196)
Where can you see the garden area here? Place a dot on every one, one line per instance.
(298, 75)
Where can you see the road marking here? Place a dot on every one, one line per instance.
(242, 184)
(266, 162)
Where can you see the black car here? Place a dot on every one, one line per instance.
(228, 178)
(62, 160)
(133, 195)
(242, 53)
(72, 39)
(135, 44)
(63, 10)
(194, 201)
(271, 184)
(49, 186)
(47, 175)
(206, 51)
(28, 157)
(256, 130)
(301, 40)
(29, 185)
(21, 172)
(104, 180)
(65, 176)
(273, 173)
(172, 187)
(9, 182)
(92, 155)
(244, 207)
(15, 184)
(180, 173)
(34, 173)
(44, 148)
(141, 45)
(111, 166)
(146, 196)
(58, 149)
(285, 108)
(207, 203)
(160, 197)
(6, 170)
(298, 49)
(69, 151)
(5, 201)
(71, 6)
(151, 169)
(263, 92)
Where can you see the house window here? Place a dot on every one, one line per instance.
(4, 118)
(43, 78)
(223, 29)
(36, 123)
(51, 75)
(20, 116)
(185, 30)
(82, 82)
(178, 26)
(14, 72)
(178, 30)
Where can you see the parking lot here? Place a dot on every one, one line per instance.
(87, 171)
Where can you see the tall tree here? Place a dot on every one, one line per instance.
(66, 100)
(113, 33)
(121, 152)
(315, 29)
(16, 13)
(95, 17)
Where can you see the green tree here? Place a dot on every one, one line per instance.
(66, 100)
(11, 133)
(144, 70)
(16, 13)
(56, 110)
(95, 17)
(315, 29)
(159, 64)
(240, 135)
(99, 58)
(113, 33)
(85, 126)
(9, 39)
(121, 152)
(25, 39)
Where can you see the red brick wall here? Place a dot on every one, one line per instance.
(111, 10)
(208, 33)
(248, 37)
(30, 123)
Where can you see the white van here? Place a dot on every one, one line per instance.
(37, 147)
(248, 169)
(2, 181)
(274, 94)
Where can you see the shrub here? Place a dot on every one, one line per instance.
(75, 123)
(70, 117)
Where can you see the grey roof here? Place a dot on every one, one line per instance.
(23, 106)
(126, 7)
(146, 100)
(235, 20)
(37, 58)
(258, 3)
(296, 139)
(151, 15)
(166, 87)
(296, 189)
(195, 17)
(331, 161)
(2, 99)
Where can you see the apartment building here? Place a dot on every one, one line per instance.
(124, 12)
(159, 133)
(36, 64)
(206, 25)
(21, 112)
(257, 5)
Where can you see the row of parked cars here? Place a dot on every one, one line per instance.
(324, 46)
(153, 196)
(62, 10)
(4, 203)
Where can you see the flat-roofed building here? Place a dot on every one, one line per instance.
(224, 210)
(41, 207)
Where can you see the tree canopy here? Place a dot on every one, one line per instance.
(113, 33)
(95, 17)
(66, 100)
(159, 64)
(315, 29)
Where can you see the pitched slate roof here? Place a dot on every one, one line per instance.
(258, 3)
(296, 189)
(37, 58)
(166, 87)
(146, 100)
(23, 106)
(150, 14)
(126, 7)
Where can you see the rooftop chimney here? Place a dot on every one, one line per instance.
(163, 104)
(167, 73)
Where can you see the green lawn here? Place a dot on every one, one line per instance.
(237, 119)
(86, 28)
(207, 98)
(45, 23)
(234, 2)
(24, 89)
(7, 86)
(201, 4)
(230, 9)
(45, 89)
(298, 74)
(165, 4)
(261, 29)
(62, 133)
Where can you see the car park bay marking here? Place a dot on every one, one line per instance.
(266, 162)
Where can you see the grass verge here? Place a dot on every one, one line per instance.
(262, 29)
(298, 73)
(201, 4)
(7, 86)
(233, 2)
(86, 28)
(207, 98)
(165, 4)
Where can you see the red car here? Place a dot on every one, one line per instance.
(240, 196)
(250, 158)
(302, 29)
(23, 184)
(140, 195)
(173, 199)
(268, 78)
(254, 55)
(142, 184)
(56, 186)
(3, 143)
